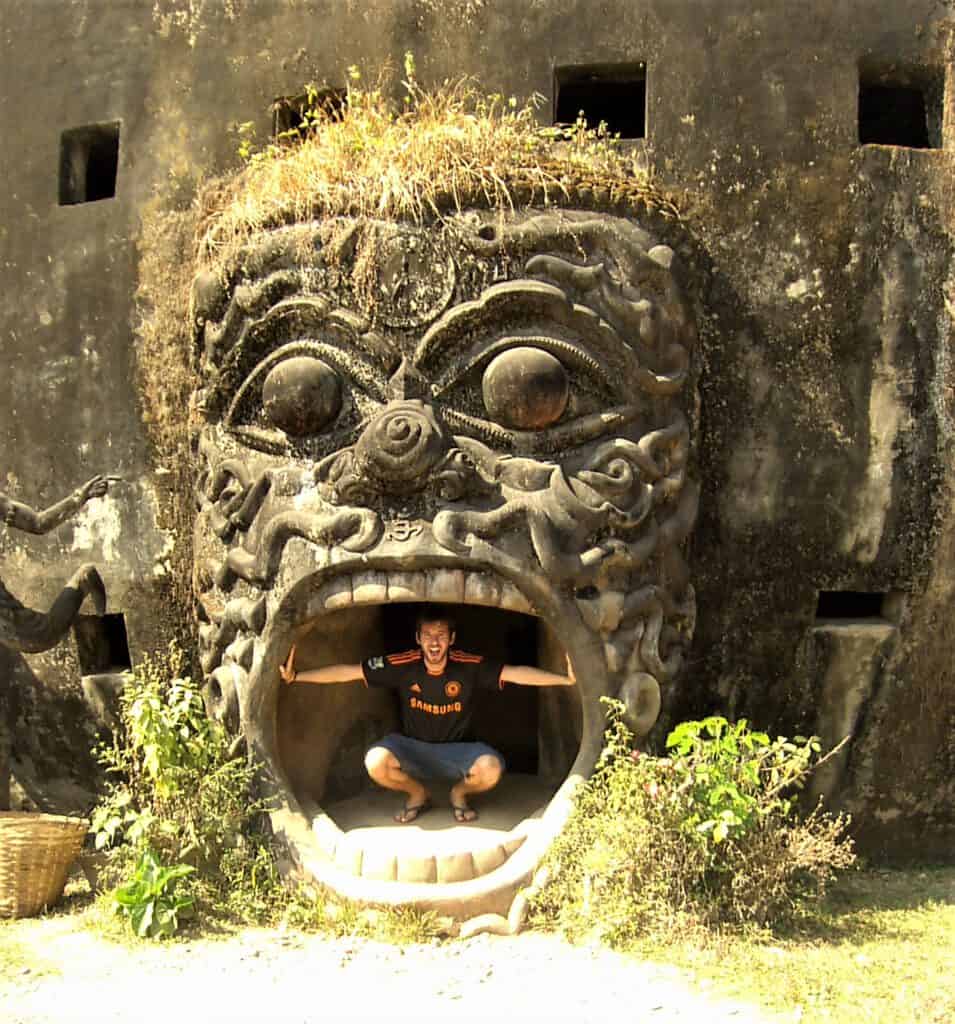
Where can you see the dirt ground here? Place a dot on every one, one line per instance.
(54, 969)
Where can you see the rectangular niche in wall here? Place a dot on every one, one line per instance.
(613, 93)
(854, 605)
(89, 159)
(290, 113)
(900, 107)
(101, 643)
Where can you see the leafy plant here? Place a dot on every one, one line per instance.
(178, 799)
(707, 836)
(149, 899)
(737, 775)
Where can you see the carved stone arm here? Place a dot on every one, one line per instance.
(21, 517)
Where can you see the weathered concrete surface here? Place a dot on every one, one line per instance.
(826, 398)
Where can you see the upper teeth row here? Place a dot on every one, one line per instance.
(455, 586)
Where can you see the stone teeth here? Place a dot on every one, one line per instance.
(417, 869)
(455, 867)
(452, 586)
(406, 586)
(348, 858)
(514, 844)
(485, 861)
(337, 593)
(480, 588)
(369, 588)
(351, 857)
(327, 833)
(381, 867)
(446, 585)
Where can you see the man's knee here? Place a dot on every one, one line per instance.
(486, 770)
(379, 761)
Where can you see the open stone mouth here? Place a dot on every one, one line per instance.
(337, 822)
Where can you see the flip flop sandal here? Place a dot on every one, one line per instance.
(409, 814)
(464, 814)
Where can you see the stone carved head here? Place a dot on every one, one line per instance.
(494, 412)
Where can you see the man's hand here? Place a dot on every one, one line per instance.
(287, 671)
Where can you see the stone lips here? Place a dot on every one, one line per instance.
(428, 483)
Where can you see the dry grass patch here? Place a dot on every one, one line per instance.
(441, 150)
(880, 950)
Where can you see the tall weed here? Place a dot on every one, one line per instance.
(179, 810)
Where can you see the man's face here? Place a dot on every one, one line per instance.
(434, 639)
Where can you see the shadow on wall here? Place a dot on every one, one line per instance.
(46, 743)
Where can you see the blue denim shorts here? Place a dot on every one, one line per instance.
(422, 760)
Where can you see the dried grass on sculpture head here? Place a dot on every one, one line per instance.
(445, 150)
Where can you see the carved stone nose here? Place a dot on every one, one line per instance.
(401, 446)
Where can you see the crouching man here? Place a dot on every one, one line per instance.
(437, 687)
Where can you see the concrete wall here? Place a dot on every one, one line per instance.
(826, 390)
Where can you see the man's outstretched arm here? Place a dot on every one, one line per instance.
(527, 675)
(327, 674)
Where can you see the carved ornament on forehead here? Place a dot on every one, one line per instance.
(415, 278)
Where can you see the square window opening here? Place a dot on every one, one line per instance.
(102, 645)
(89, 161)
(296, 117)
(613, 94)
(900, 107)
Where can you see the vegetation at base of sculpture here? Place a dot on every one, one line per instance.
(709, 836)
(183, 833)
(149, 899)
(178, 820)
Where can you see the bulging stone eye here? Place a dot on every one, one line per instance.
(525, 388)
(301, 395)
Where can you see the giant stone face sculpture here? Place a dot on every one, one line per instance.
(494, 412)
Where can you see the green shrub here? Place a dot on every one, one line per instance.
(180, 807)
(709, 836)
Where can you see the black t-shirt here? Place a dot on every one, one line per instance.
(439, 708)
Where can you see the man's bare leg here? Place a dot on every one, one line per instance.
(384, 769)
(483, 775)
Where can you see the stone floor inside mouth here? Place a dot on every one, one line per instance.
(434, 847)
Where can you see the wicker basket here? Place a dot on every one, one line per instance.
(36, 852)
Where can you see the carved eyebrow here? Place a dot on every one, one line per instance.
(504, 309)
(523, 301)
(515, 307)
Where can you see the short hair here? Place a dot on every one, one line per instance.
(434, 613)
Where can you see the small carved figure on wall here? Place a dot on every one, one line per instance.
(30, 631)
